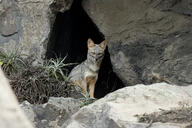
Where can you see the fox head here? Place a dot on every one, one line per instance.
(95, 51)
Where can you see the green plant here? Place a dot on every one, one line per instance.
(10, 61)
(56, 67)
(86, 100)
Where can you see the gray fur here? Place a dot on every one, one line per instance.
(88, 68)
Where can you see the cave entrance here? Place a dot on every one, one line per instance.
(69, 36)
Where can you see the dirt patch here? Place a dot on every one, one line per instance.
(36, 86)
(183, 115)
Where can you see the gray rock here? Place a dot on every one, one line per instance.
(149, 41)
(9, 18)
(9, 23)
(26, 25)
(118, 109)
(11, 114)
(51, 114)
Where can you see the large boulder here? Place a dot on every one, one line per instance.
(11, 114)
(53, 113)
(149, 41)
(119, 109)
(25, 25)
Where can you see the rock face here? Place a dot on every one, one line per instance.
(11, 115)
(149, 41)
(26, 25)
(118, 109)
(52, 114)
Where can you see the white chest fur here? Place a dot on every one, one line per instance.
(89, 73)
(93, 71)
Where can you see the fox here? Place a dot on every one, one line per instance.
(85, 74)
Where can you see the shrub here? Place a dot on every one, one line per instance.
(11, 61)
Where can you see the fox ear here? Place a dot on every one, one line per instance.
(90, 43)
(103, 44)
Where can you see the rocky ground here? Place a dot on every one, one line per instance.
(48, 103)
(141, 106)
(182, 115)
(149, 42)
(158, 105)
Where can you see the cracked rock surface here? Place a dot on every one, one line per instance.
(26, 25)
(149, 41)
(51, 114)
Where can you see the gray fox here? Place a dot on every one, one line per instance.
(85, 74)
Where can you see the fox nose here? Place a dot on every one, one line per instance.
(96, 58)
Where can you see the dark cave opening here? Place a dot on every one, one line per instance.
(69, 35)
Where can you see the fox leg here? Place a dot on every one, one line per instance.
(84, 87)
(91, 80)
(92, 88)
